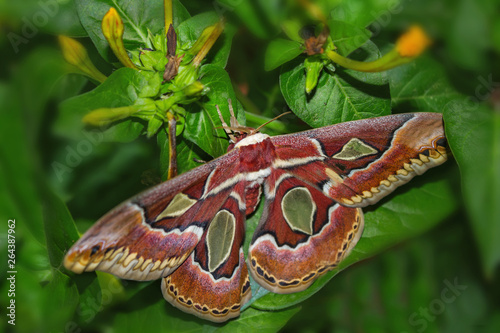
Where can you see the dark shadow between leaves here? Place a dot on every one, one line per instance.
(82, 281)
(143, 297)
(405, 107)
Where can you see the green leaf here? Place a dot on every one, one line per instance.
(280, 51)
(162, 142)
(347, 37)
(496, 35)
(46, 298)
(61, 234)
(59, 16)
(60, 228)
(161, 316)
(292, 29)
(122, 88)
(190, 30)
(16, 166)
(201, 124)
(60, 301)
(219, 53)
(137, 19)
(420, 86)
(409, 212)
(115, 169)
(22, 104)
(261, 321)
(411, 282)
(68, 86)
(470, 30)
(191, 156)
(473, 133)
(91, 295)
(344, 95)
(154, 125)
(187, 154)
(153, 85)
(34, 80)
(362, 13)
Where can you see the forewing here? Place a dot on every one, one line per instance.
(149, 236)
(358, 163)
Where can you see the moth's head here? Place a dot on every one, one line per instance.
(235, 131)
(236, 134)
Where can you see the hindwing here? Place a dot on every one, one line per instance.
(301, 235)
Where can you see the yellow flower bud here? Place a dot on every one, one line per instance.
(106, 116)
(112, 29)
(75, 54)
(205, 42)
(413, 42)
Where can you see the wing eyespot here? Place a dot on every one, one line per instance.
(94, 250)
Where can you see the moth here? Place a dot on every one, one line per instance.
(189, 231)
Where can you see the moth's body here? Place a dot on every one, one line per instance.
(256, 156)
(190, 230)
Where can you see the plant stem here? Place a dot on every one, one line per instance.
(172, 146)
(388, 61)
(167, 4)
(215, 32)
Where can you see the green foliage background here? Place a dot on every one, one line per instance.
(442, 229)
